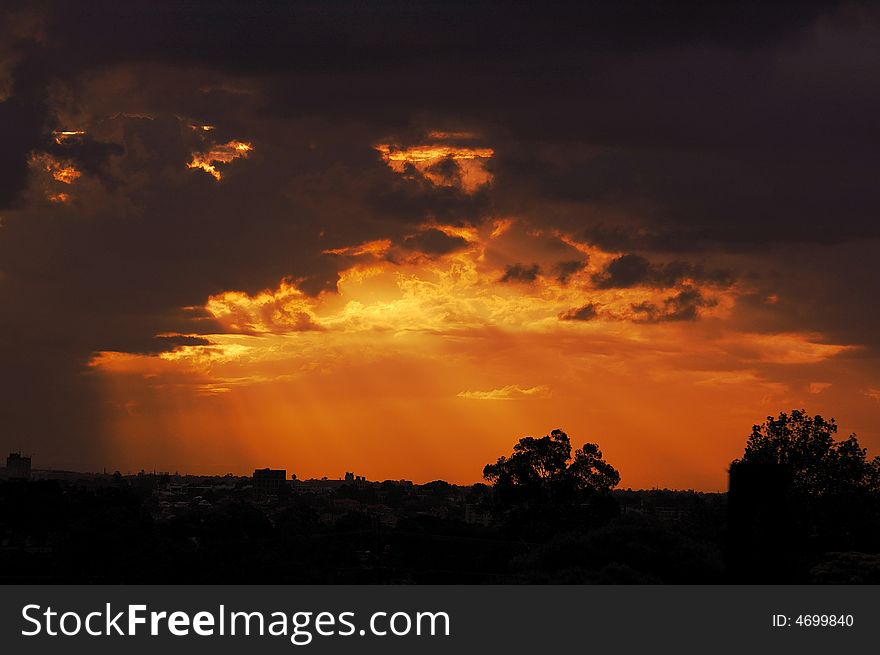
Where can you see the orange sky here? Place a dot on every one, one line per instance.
(425, 367)
(398, 255)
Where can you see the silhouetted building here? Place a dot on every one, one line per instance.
(269, 481)
(356, 480)
(18, 467)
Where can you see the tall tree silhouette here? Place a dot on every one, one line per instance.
(541, 488)
(804, 449)
(796, 493)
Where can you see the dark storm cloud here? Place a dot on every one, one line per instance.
(521, 273)
(171, 342)
(634, 270)
(23, 119)
(414, 199)
(584, 313)
(683, 306)
(87, 154)
(694, 125)
(570, 77)
(434, 242)
(447, 169)
(564, 270)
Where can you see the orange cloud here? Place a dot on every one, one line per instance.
(61, 136)
(52, 171)
(283, 310)
(510, 392)
(60, 170)
(219, 154)
(316, 381)
(467, 164)
(377, 248)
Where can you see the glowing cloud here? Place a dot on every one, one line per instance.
(423, 337)
(510, 392)
(219, 154)
(285, 310)
(441, 164)
(61, 136)
(60, 170)
(377, 248)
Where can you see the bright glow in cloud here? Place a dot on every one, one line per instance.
(61, 136)
(510, 392)
(219, 154)
(403, 342)
(441, 164)
(52, 172)
(377, 248)
(60, 170)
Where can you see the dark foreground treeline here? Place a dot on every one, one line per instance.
(53, 532)
(802, 508)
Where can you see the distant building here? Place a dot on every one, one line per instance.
(356, 480)
(18, 467)
(322, 486)
(269, 481)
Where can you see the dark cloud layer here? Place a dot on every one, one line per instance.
(683, 306)
(564, 270)
(645, 128)
(584, 313)
(634, 270)
(434, 242)
(521, 273)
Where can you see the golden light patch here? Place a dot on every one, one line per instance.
(469, 163)
(461, 291)
(499, 227)
(60, 170)
(66, 174)
(53, 171)
(397, 158)
(61, 136)
(459, 363)
(219, 154)
(285, 309)
(205, 355)
(466, 232)
(786, 348)
(509, 392)
(377, 248)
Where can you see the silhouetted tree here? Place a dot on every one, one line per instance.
(590, 471)
(804, 449)
(796, 493)
(541, 489)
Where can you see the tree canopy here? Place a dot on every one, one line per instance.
(804, 448)
(542, 487)
(545, 467)
(797, 494)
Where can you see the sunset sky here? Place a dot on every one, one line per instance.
(392, 238)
